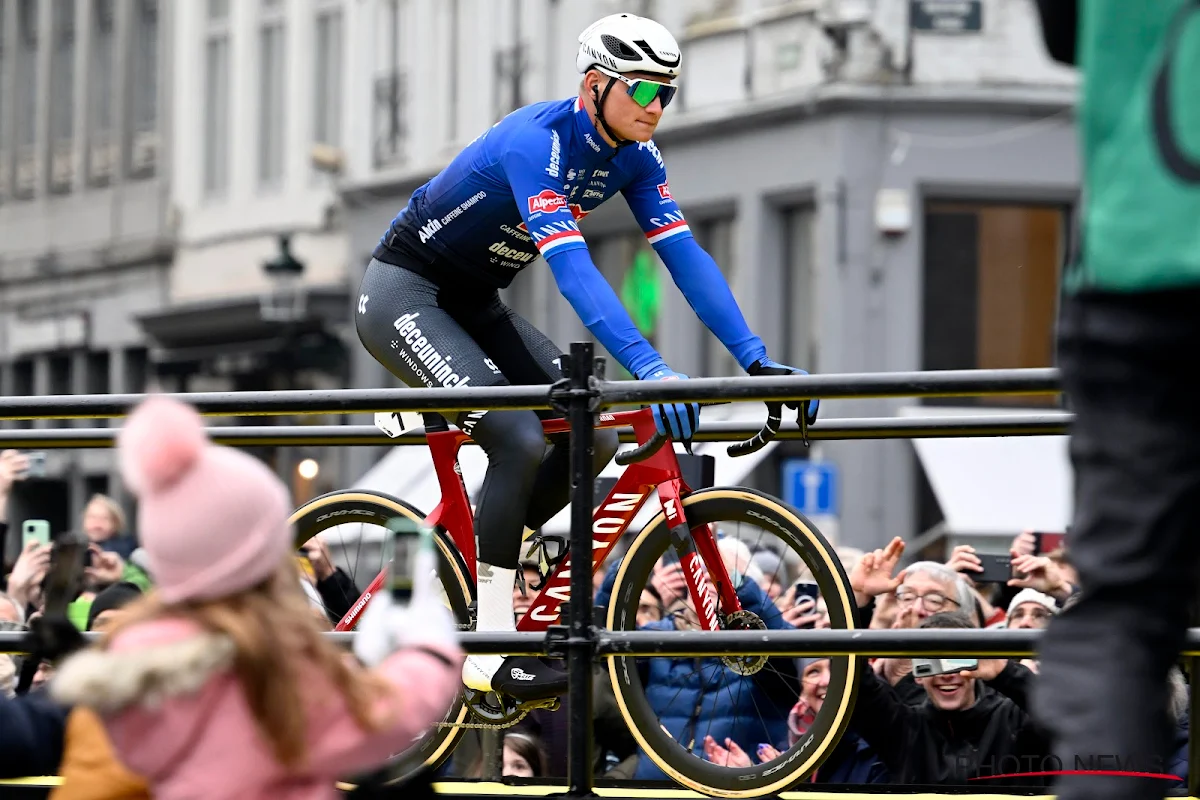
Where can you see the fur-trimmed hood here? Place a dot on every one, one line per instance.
(177, 714)
(111, 680)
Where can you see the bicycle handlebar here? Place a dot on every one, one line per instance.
(759, 440)
(752, 445)
(642, 452)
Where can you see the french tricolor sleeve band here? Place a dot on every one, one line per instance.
(667, 231)
(557, 240)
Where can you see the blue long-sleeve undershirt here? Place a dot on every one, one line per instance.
(697, 276)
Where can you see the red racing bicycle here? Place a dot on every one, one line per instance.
(712, 533)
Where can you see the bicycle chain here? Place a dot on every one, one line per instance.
(490, 726)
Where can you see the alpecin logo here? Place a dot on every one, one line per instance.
(546, 201)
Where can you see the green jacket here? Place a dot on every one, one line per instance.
(1139, 121)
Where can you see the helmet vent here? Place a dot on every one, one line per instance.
(619, 48)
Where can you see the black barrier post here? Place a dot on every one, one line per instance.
(581, 642)
(1193, 753)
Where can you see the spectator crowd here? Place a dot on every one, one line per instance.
(952, 728)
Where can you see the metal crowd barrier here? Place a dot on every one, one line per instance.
(924, 427)
(580, 395)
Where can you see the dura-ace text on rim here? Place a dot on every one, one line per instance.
(740, 505)
(340, 508)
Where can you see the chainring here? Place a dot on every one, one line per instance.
(491, 711)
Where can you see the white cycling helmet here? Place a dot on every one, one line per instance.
(629, 43)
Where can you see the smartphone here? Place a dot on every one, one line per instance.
(997, 568)
(37, 465)
(35, 530)
(409, 539)
(926, 667)
(1044, 543)
(670, 557)
(806, 589)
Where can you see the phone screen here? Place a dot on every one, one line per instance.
(408, 539)
(927, 667)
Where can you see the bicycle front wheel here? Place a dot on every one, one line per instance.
(349, 522)
(751, 518)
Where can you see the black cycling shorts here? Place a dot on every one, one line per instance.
(427, 335)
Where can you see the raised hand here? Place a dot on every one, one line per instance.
(731, 755)
(1040, 573)
(872, 575)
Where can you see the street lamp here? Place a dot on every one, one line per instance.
(284, 301)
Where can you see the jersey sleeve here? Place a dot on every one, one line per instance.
(692, 268)
(533, 163)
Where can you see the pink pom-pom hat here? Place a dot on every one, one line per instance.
(212, 520)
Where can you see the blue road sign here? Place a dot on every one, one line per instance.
(811, 486)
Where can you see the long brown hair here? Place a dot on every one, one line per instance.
(275, 636)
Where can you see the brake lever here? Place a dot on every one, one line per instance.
(802, 421)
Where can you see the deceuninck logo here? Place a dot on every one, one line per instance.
(1012, 766)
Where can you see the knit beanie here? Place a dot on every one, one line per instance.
(213, 521)
(1033, 596)
(114, 597)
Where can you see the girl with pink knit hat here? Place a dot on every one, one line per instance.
(219, 683)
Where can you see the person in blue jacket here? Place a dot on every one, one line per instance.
(31, 735)
(429, 308)
(698, 698)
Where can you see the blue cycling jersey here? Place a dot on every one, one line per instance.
(518, 191)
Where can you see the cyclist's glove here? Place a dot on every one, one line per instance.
(677, 420)
(768, 367)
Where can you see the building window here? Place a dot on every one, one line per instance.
(99, 378)
(26, 101)
(991, 289)
(6, 64)
(389, 122)
(62, 96)
(23, 385)
(216, 100)
(327, 78)
(717, 237)
(510, 64)
(271, 88)
(452, 67)
(144, 89)
(799, 312)
(102, 150)
(137, 370)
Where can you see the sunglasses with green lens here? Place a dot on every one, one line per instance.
(644, 91)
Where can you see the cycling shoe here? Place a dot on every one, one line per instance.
(522, 678)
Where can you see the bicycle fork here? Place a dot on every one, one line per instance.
(712, 591)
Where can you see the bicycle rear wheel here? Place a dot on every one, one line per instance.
(343, 517)
(733, 511)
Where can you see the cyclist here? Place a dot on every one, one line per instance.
(429, 308)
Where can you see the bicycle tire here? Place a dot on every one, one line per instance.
(727, 505)
(341, 507)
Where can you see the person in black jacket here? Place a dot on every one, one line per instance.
(971, 727)
(337, 590)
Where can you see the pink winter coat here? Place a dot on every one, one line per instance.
(177, 715)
